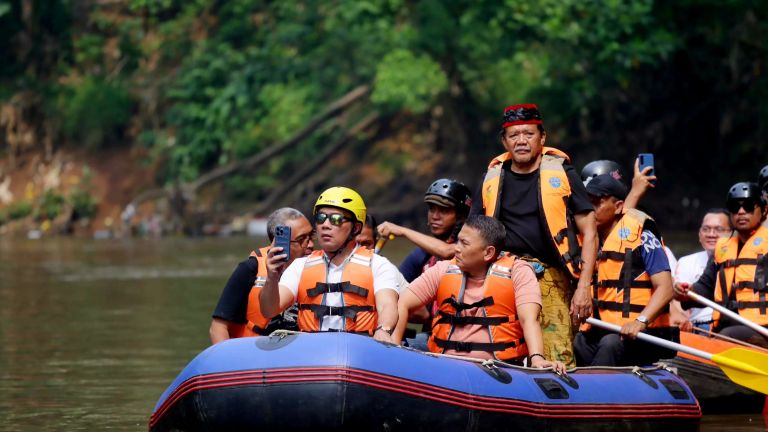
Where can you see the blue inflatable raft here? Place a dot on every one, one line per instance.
(340, 381)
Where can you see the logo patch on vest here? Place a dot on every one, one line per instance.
(554, 182)
(624, 233)
(757, 242)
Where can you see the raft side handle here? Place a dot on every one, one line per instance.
(644, 378)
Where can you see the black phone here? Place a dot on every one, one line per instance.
(283, 239)
(646, 160)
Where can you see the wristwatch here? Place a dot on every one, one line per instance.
(389, 330)
(643, 319)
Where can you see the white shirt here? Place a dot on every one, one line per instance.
(689, 269)
(384, 277)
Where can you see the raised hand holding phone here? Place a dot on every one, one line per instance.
(283, 240)
(644, 161)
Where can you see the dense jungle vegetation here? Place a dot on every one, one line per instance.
(200, 86)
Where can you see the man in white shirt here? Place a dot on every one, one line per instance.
(715, 224)
(342, 287)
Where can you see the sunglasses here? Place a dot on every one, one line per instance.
(303, 240)
(336, 218)
(748, 205)
(522, 114)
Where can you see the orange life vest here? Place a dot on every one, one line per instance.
(742, 276)
(257, 323)
(623, 287)
(499, 313)
(356, 286)
(554, 191)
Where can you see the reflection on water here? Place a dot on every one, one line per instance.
(92, 332)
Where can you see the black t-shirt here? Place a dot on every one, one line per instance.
(233, 303)
(522, 218)
(413, 265)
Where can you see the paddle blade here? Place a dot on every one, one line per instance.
(745, 367)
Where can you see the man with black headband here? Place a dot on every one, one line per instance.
(342, 287)
(737, 275)
(538, 196)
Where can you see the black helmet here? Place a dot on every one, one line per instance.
(744, 190)
(598, 167)
(449, 193)
(762, 178)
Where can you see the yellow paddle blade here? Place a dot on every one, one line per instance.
(745, 367)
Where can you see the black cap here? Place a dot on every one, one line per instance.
(607, 185)
(449, 193)
(744, 190)
(762, 179)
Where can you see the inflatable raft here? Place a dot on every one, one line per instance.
(340, 381)
(717, 393)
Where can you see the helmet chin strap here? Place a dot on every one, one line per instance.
(352, 234)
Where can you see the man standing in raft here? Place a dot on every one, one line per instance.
(489, 301)
(538, 196)
(342, 287)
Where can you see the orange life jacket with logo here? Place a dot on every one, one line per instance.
(554, 191)
(257, 323)
(742, 276)
(356, 286)
(499, 313)
(623, 288)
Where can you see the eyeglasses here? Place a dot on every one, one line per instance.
(521, 114)
(705, 229)
(303, 240)
(336, 218)
(747, 204)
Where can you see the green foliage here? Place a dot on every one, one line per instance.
(406, 81)
(95, 111)
(81, 198)
(51, 204)
(18, 210)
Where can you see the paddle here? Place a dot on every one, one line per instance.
(729, 313)
(382, 241)
(742, 366)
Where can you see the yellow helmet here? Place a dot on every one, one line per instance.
(343, 198)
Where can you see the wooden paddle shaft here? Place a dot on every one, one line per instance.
(729, 313)
(653, 339)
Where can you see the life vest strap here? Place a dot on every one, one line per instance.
(336, 287)
(476, 346)
(735, 305)
(346, 311)
(459, 306)
(737, 262)
(469, 320)
(612, 255)
(615, 283)
(618, 307)
(256, 329)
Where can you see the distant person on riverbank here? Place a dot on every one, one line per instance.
(238, 313)
(343, 286)
(538, 196)
(489, 301)
(715, 224)
(634, 283)
(737, 276)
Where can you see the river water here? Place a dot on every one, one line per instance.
(92, 332)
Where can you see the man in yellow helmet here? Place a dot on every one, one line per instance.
(342, 286)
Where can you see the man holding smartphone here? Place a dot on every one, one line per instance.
(538, 196)
(342, 287)
(238, 313)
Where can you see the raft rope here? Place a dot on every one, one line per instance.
(490, 363)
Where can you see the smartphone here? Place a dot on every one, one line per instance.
(283, 239)
(646, 160)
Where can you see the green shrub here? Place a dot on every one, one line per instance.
(18, 210)
(83, 204)
(51, 205)
(95, 112)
